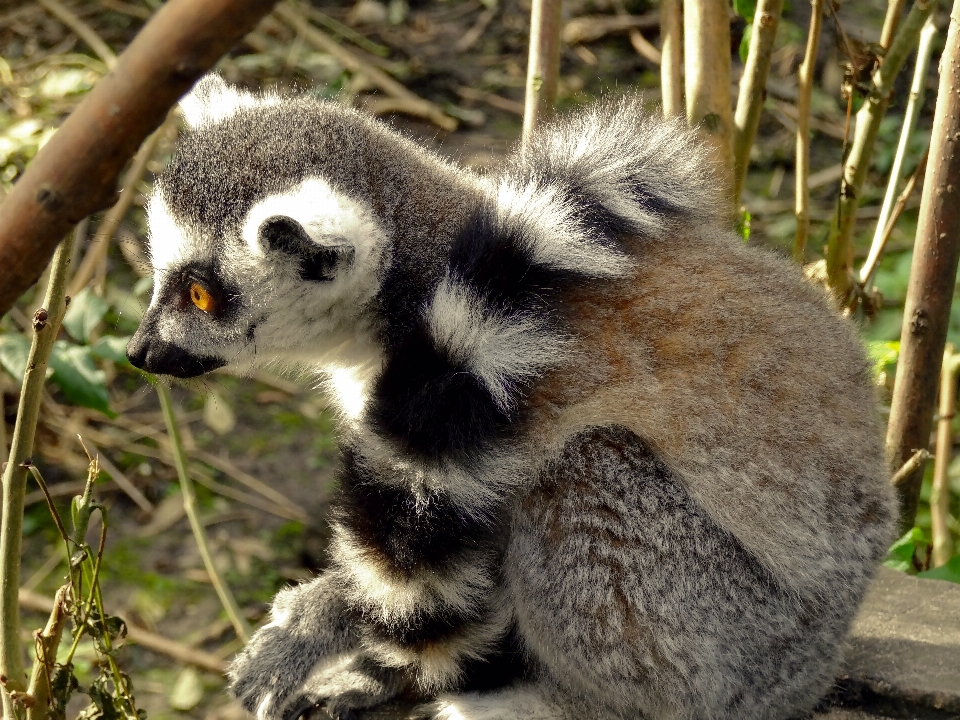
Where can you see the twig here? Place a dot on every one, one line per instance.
(137, 11)
(840, 239)
(36, 602)
(415, 104)
(122, 481)
(82, 30)
(706, 29)
(288, 510)
(916, 461)
(890, 21)
(910, 115)
(588, 28)
(47, 641)
(643, 47)
(46, 325)
(940, 492)
(501, 103)
(471, 36)
(97, 254)
(933, 272)
(543, 65)
(805, 77)
(878, 246)
(190, 505)
(671, 82)
(344, 31)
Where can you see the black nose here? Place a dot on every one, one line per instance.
(160, 357)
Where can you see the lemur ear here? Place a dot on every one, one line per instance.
(318, 262)
(212, 100)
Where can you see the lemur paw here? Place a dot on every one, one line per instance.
(343, 685)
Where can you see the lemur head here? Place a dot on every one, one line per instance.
(263, 243)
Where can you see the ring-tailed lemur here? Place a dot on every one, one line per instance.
(600, 458)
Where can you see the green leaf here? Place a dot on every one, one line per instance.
(745, 40)
(884, 354)
(75, 371)
(745, 9)
(949, 572)
(743, 225)
(84, 314)
(111, 347)
(900, 555)
(14, 351)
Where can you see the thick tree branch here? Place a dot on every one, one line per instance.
(933, 273)
(75, 174)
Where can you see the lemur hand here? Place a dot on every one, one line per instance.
(305, 656)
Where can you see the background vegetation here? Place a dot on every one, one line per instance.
(450, 73)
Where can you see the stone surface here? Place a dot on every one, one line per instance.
(904, 647)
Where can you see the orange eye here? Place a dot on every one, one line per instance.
(200, 297)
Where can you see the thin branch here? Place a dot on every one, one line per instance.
(47, 642)
(805, 78)
(671, 50)
(706, 30)
(940, 491)
(588, 28)
(916, 461)
(933, 273)
(497, 101)
(413, 103)
(151, 641)
(753, 88)
(122, 481)
(473, 35)
(97, 253)
(878, 246)
(543, 65)
(910, 115)
(840, 240)
(82, 30)
(890, 21)
(190, 505)
(46, 326)
(643, 47)
(75, 173)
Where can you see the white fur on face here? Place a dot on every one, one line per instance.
(212, 100)
(501, 351)
(327, 216)
(168, 240)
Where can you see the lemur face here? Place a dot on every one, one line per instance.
(255, 259)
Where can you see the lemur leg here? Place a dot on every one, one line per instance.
(308, 654)
(626, 592)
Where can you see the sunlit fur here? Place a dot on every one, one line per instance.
(600, 457)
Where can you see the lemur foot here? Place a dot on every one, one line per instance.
(339, 685)
(307, 656)
(343, 685)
